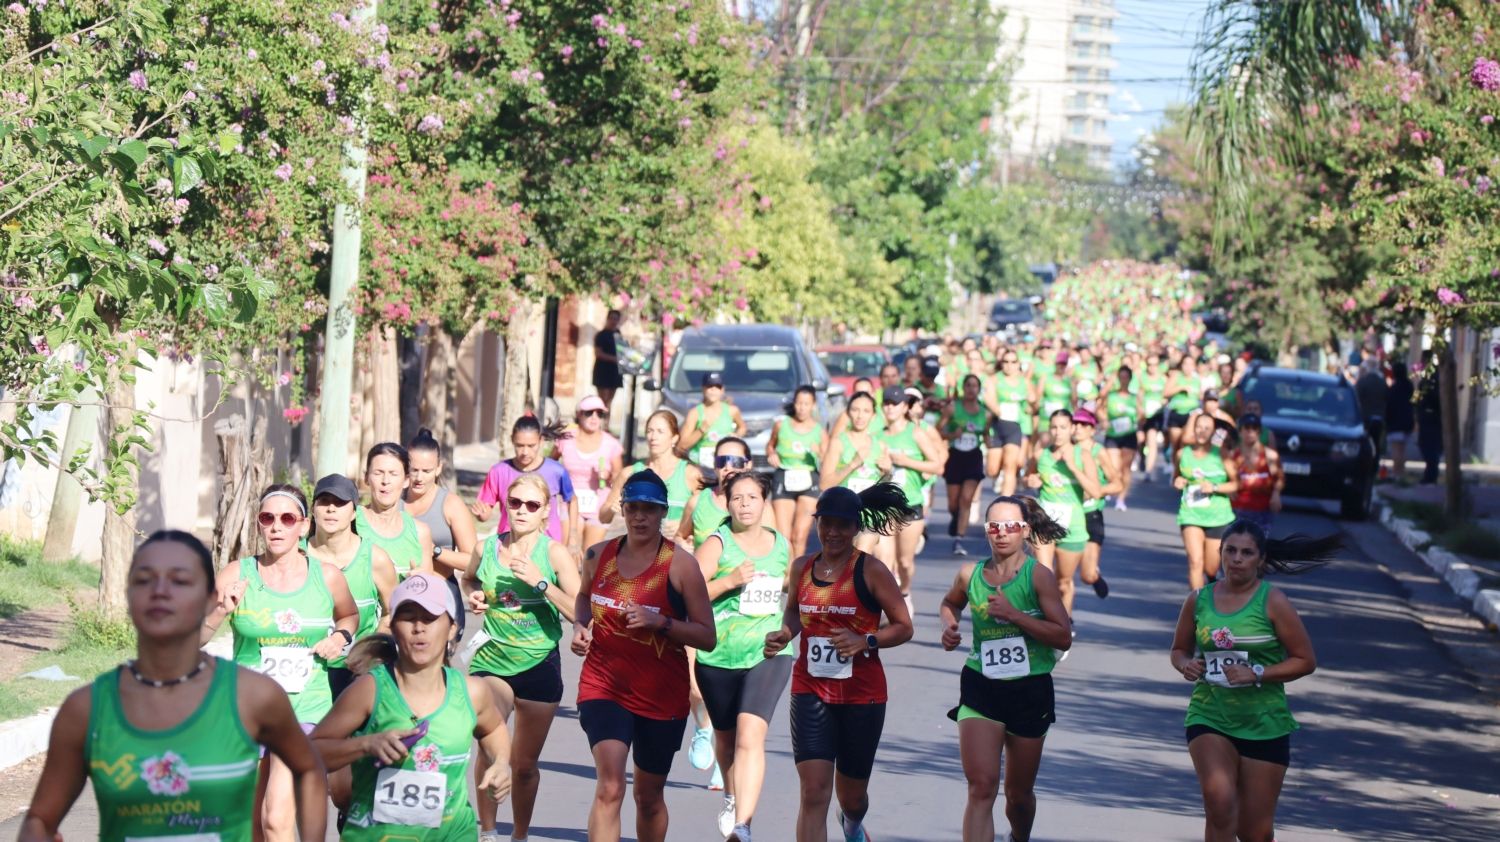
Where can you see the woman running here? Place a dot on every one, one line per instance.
(1056, 387)
(1018, 624)
(745, 564)
(405, 726)
(1206, 481)
(174, 732)
(407, 541)
(862, 386)
(290, 615)
(856, 458)
(368, 571)
(661, 459)
(1013, 404)
(642, 601)
(710, 421)
(593, 458)
(1065, 475)
(709, 508)
(913, 459)
(1122, 416)
(524, 584)
(1153, 388)
(793, 449)
(1108, 480)
(527, 437)
(963, 425)
(1240, 642)
(1261, 478)
(1184, 390)
(838, 683)
(445, 515)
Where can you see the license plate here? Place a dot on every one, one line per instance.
(1298, 468)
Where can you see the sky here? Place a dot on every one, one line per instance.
(1154, 52)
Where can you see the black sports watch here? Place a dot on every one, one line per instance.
(872, 642)
(437, 552)
(541, 587)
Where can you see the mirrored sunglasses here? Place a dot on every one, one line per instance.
(1004, 527)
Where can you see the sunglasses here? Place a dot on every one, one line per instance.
(287, 519)
(1004, 527)
(730, 461)
(1009, 360)
(598, 412)
(516, 504)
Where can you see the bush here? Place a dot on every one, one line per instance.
(92, 629)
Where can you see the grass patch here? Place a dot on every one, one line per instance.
(93, 643)
(27, 582)
(1456, 535)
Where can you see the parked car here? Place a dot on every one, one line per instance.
(1012, 316)
(1325, 449)
(848, 363)
(761, 365)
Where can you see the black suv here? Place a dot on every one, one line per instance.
(1012, 316)
(1320, 433)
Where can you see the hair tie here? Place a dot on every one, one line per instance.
(288, 495)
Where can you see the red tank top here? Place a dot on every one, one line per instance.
(642, 671)
(842, 604)
(1256, 484)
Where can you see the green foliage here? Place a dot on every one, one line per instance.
(94, 630)
(27, 582)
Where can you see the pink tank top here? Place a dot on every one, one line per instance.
(589, 471)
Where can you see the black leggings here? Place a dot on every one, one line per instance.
(846, 735)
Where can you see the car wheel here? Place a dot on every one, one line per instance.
(1356, 506)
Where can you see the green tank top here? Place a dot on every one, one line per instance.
(1153, 392)
(677, 489)
(405, 549)
(275, 632)
(1057, 393)
(1011, 396)
(743, 617)
(195, 780)
(905, 442)
(522, 625)
(1185, 402)
(1086, 383)
(712, 431)
(997, 647)
(360, 575)
(1247, 712)
(1061, 495)
(432, 780)
(867, 474)
(1096, 504)
(1120, 407)
(798, 451)
(1197, 508)
(708, 516)
(970, 426)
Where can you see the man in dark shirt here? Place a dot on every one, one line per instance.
(1371, 390)
(607, 379)
(1430, 422)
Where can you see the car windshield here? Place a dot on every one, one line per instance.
(1303, 400)
(743, 369)
(1011, 308)
(852, 363)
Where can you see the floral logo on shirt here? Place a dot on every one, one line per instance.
(427, 757)
(287, 622)
(165, 775)
(1223, 638)
(510, 600)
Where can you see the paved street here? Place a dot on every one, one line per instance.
(1396, 743)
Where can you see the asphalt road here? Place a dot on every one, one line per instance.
(1396, 741)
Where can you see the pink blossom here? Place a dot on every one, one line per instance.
(252, 54)
(294, 414)
(157, 245)
(285, 378)
(431, 124)
(1418, 137)
(137, 79)
(1487, 119)
(741, 304)
(1438, 167)
(685, 122)
(676, 93)
(1350, 304)
(1482, 185)
(1486, 74)
(721, 153)
(16, 9)
(1449, 297)
(284, 172)
(567, 50)
(39, 345)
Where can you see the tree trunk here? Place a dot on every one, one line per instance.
(1453, 481)
(409, 356)
(438, 395)
(516, 397)
(243, 463)
(385, 378)
(119, 527)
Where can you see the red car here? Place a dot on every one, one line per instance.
(848, 363)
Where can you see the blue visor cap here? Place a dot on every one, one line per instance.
(644, 487)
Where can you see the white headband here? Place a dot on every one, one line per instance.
(288, 495)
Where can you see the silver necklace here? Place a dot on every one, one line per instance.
(171, 682)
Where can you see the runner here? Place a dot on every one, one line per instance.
(404, 728)
(1240, 642)
(661, 458)
(1013, 405)
(745, 564)
(1122, 417)
(1108, 480)
(710, 421)
(916, 413)
(1261, 479)
(407, 541)
(642, 602)
(708, 510)
(862, 386)
(1055, 387)
(1206, 482)
(522, 582)
(1153, 388)
(856, 458)
(1184, 388)
(793, 449)
(290, 615)
(368, 571)
(1065, 476)
(447, 518)
(1017, 623)
(963, 425)
(592, 457)
(1224, 431)
(173, 723)
(526, 437)
(838, 683)
(913, 458)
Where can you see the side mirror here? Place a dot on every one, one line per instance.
(820, 385)
(837, 390)
(650, 385)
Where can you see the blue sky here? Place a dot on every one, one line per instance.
(1154, 51)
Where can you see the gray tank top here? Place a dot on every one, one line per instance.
(442, 536)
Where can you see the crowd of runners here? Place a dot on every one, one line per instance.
(352, 681)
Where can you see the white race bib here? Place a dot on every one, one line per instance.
(1153, 407)
(188, 837)
(1010, 411)
(966, 442)
(1007, 657)
(1194, 497)
(1058, 510)
(899, 475)
(706, 456)
(588, 500)
(1120, 424)
(1215, 662)
(858, 483)
(761, 596)
(1049, 407)
(796, 479)
(409, 797)
(290, 666)
(824, 661)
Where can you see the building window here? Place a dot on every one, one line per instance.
(1077, 126)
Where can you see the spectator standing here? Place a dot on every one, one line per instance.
(607, 379)
(1372, 392)
(1400, 416)
(1430, 423)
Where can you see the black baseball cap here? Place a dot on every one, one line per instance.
(1249, 419)
(338, 487)
(893, 395)
(713, 378)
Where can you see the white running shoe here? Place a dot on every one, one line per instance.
(726, 818)
(958, 548)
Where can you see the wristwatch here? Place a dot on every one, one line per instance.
(437, 551)
(541, 587)
(872, 642)
(1259, 671)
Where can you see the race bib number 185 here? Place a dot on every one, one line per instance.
(409, 797)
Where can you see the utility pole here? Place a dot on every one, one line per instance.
(339, 330)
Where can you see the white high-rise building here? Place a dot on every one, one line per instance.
(1061, 88)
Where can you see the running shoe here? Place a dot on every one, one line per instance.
(726, 817)
(490, 836)
(958, 548)
(1101, 588)
(701, 752)
(859, 834)
(1120, 505)
(741, 833)
(716, 783)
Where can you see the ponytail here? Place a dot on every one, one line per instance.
(371, 651)
(883, 508)
(554, 431)
(1294, 554)
(1044, 530)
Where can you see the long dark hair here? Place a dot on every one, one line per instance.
(711, 475)
(883, 508)
(426, 442)
(1044, 530)
(1294, 554)
(762, 481)
(186, 539)
(555, 431)
(790, 407)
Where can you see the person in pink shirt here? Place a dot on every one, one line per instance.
(592, 458)
(526, 437)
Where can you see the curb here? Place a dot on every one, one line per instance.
(23, 739)
(1457, 573)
